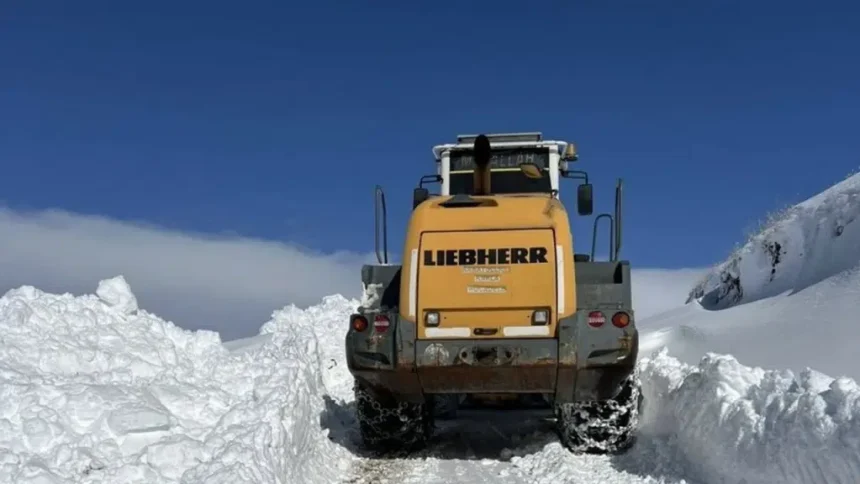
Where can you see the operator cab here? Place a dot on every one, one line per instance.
(455, 164)
(520, 163)
(506, 174)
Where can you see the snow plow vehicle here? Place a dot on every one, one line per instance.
(490, 303)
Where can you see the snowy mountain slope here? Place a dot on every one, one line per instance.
(786, 299)
(806, 244)
(815, 327)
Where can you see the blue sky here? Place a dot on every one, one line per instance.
(274, 120)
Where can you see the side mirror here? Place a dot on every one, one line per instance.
(418, 196)
(531, 170)
(584, 199)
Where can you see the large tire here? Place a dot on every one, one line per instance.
(605, 427)
(445, 406)
(389, 424)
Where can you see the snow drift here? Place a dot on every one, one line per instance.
(95, 389)
(731, 423)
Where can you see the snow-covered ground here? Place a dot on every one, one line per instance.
(95, 389)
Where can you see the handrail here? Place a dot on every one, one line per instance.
(611, 236)
(618, 218)
(379, 201)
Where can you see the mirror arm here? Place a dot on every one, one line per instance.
(429, 179)
(575, 174)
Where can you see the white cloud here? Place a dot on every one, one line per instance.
(658, 290)
(228, 284)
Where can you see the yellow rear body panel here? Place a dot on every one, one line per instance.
(517, 277)
(488, 267)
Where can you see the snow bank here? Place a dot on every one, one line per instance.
(93, 389)
(809, 242)
(732, 423)
(328, 321)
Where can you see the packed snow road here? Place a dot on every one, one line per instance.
(505, 449)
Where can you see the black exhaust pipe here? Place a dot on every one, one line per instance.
(481, 177)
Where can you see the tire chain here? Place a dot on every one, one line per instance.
(414, 423)
(577, 422)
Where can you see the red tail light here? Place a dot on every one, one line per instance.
(620, 320)
(596, 319)
(381, 323)
(359, 323)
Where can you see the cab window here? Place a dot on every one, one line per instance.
(501, 182)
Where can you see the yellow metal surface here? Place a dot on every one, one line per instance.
(489, 293)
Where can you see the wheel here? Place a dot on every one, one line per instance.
(602, 427)
(445, 406)
(389, 424)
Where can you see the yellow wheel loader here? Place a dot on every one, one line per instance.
(491, 307)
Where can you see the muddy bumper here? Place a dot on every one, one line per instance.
(581, 363)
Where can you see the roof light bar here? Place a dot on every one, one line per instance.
(533, 137)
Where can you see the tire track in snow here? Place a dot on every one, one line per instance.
(501, 448)
(459, 452)
(371, 471)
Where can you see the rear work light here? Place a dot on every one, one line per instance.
(620, 319)
(431, 318)
(540, 317)
(381, 323)
(596, 319)
(359, 323)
